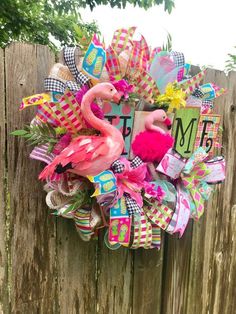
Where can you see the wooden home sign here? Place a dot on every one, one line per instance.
(192, 130)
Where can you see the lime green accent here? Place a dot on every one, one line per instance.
(106, 177)
(91, 57)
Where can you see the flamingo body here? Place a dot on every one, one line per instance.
(90, 155)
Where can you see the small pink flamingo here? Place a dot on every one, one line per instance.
(184, 201)
(90, 155)
(165, 163)
(151, 145)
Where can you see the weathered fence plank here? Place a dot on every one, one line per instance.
(76, 270)
(176, 273)
(147, 286)
(32, 232)
(46, 268)
(3, 207)
(114, 284)
(213, 260)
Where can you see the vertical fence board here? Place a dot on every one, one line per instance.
(176, 272)
(53, 271)
(213, 265)
(32, 232)
(76, 270)
(114, 284)
(3, 208)
(147, 287)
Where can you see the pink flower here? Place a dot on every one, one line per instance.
(131, 181)
(151, 191)
(123, 87)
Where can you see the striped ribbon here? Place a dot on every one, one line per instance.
(82, 222)
(137, 60)
(142, 231)
(65, 113)
(41, 153)
(113, 64)
(156, 237)
(159, 214)
(145, 86)
(189, 85)
(121, 38)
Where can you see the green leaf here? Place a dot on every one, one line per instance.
(19, 133)
(71, 208)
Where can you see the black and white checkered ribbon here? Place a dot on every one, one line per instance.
(178, 58)
(69, 57)
(207, 104)
(54, 85)
(198, 93)
(136, 162)
(131, 205)
(118, 167)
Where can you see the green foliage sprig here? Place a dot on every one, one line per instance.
(38, 134)
(168, 45)
(230, 64)
(81, 199)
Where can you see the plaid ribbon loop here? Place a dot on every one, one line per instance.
(69, 57)
(54, 85)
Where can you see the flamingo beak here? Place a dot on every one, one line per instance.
(168, 123)
(116, 98)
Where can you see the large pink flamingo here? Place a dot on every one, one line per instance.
(90, 155)
(151, 145)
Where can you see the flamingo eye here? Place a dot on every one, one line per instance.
(111, 89)
(163, 117)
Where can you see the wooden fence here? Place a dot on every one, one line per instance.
(46, 268)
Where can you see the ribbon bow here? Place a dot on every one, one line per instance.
(193, 179)
(130, 179)
(51, 84)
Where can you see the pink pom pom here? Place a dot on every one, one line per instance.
(151, 146)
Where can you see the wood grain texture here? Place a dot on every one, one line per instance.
(32, 231)
(175, 277)
(212, 281)
(147, 285)
(46, 268)
(3, 208)
(76, 270)
(114, 282)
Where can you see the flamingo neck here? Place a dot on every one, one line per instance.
(103, 126)
(155, 128)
